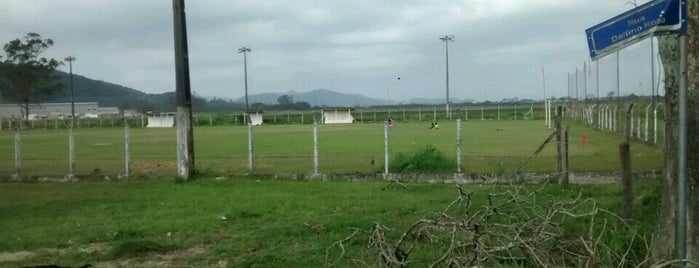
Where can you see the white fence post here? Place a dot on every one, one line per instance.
(638, 128)
(250, 149)
(71, 152)
(655, 125)
(458, 145)
(127, 151)
(315, 147)
(647, 121)
(385, 148)
(17, 155)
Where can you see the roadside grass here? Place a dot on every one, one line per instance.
(488, 146)
(246, 222)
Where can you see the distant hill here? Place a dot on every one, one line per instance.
(113, 95)
(439, 100)
(317, 97)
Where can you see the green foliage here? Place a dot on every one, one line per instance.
(427, 159)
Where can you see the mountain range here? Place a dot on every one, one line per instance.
(112, 95)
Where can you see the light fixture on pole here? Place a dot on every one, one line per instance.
(446, 39)
(70, 60)
(245, 50)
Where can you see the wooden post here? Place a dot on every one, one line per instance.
(625, 159)
(626, 181)
(563, 179)
(559, 145)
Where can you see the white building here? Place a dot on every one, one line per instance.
(337, 116)
(39, 110)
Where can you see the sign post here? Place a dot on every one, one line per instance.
(657, 17)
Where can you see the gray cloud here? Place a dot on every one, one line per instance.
(351, 46)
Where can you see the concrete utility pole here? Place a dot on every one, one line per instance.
(446, 39)
(185, 133)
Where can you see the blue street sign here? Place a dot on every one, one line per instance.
(653, 18)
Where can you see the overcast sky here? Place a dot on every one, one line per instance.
(348, 46)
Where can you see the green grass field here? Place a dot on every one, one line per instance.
(347, 148)
(248, 223)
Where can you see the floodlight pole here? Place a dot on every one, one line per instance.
(446, 39)
(245, 51)
(70, 60)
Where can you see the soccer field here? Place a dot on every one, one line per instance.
(487, 146)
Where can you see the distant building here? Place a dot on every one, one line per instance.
(56, 110)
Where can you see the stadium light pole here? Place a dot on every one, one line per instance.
(245, 51)
(70, 60)
(446, 39)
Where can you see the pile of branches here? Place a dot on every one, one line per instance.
(518, 227)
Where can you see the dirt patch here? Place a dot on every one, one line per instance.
(175, 258)
(15, 256)
(154, 166)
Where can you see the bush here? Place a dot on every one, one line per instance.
(427, 159)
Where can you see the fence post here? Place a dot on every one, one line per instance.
(315, 147)
(498, 112)
(250, 149)
(655, 124)
(625, 159)
(458, 145)
(563, 179)
(127, 152)
(559, 149)
(419, 113)
(71, 152)
(17, 155)
(301, 117)
(385, 148)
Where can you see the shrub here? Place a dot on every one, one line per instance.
(427, 159)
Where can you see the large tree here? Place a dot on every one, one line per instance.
(663, 247)
(26, 74)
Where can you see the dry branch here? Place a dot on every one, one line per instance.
(518, 227)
